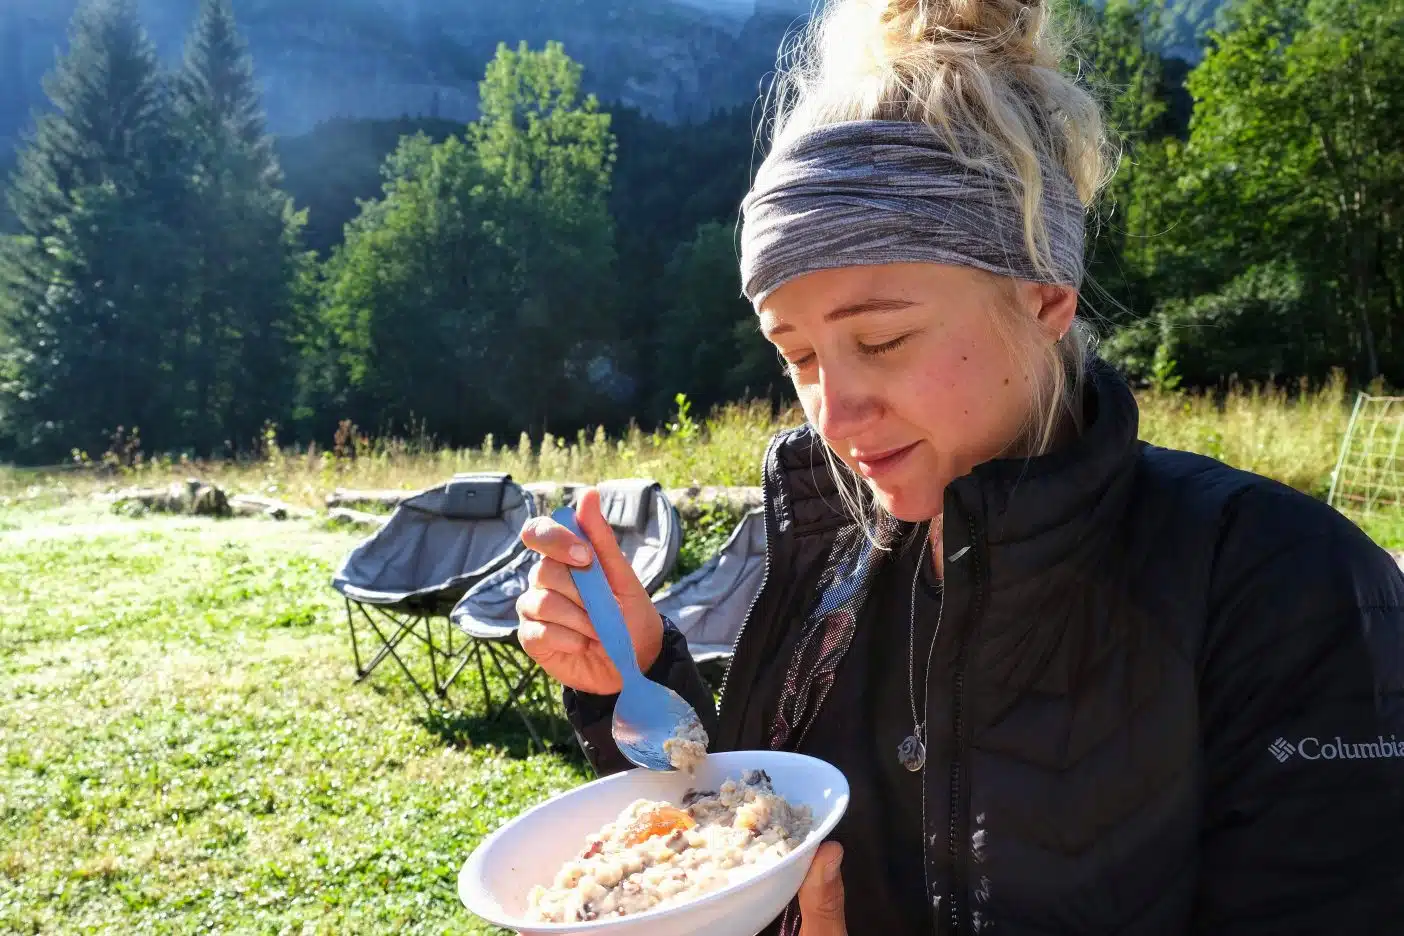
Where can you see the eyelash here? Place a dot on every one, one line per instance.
(791, 367)
(885, 347)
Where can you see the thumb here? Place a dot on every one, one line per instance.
(821, 894)
(622, 578)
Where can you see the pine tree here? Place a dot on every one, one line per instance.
(90, 287)
(239, 348)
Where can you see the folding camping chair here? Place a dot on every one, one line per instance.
(710, 605)
(435, 547)
(649, 532)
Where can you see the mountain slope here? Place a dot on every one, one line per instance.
(319, 59)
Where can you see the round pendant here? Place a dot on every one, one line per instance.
(911, 753)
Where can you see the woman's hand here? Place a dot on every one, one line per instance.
(553, 628)
(821, 894)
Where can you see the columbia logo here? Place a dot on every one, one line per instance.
(1313, 749)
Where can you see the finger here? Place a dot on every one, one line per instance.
(623, 580)
(539, 639)
(549, 607)
(551, 575)
(553, 541)
(821, 894)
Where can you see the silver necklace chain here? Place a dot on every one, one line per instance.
(912, 752)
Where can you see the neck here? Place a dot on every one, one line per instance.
(938, 561)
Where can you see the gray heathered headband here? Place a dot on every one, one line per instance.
(878, 191)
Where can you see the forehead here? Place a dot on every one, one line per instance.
(825, 297)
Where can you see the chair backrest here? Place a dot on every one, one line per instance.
(710, 605)
(646, 526)
(649, 532)
(439, 543)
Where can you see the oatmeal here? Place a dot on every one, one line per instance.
(659, 854)
(688, 747)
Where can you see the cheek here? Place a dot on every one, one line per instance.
(963, 392)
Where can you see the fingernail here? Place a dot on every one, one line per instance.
(580, 554)
(831, 873)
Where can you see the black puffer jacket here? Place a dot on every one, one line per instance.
(1177, 706)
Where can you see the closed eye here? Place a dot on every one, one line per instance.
(885, 347)
(793, 366)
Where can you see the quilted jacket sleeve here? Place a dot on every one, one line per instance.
(590, 715)
(1302, 710)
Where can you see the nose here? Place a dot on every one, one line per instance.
(842, 406)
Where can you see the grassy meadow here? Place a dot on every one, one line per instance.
(183, 747)
(1293, 438)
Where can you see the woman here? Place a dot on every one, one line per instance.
(1079, 684)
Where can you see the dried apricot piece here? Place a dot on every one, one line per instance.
(661, 820)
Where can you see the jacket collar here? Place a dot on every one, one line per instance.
(1019, 534)
(1028, 530)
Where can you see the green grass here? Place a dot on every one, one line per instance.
(182, 746)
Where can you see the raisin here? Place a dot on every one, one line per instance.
(692, 796)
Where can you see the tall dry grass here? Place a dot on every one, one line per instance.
(1291, 437)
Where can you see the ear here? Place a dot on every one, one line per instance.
(1054, 307)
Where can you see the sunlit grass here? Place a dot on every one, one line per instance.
(182, 745)
(1291, 437)
(183, 748)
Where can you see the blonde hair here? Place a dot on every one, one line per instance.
(988, 76)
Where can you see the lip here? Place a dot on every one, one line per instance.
(877, 464)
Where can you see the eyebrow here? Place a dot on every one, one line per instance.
(848, 311)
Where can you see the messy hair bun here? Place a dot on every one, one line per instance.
(987, 74)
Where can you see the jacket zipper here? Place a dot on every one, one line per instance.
(940, 619)
(956, 871)
(955, 843)
(767, 498)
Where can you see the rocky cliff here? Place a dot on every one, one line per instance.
(317, 59)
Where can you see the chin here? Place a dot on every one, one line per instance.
(905, 505)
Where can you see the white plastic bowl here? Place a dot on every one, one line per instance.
(530, 849)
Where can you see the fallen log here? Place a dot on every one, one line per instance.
(690, 501)
(346, 515)
(343, 497)
(192, 496)
(249, 505)
(552, 494)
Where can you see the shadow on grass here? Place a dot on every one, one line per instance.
(473, 728)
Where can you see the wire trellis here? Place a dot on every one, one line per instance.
(1369, 477)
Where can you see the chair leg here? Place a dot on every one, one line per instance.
(477, 654)
(433, 656)
(453, 676)
(525, 682)
(355, 648)
(387, 646)
(520, 692)
(390, 648)
(552, 701)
